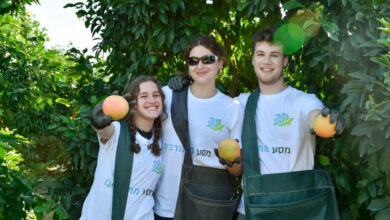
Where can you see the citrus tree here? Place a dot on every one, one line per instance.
(335, 62)
(342, 58)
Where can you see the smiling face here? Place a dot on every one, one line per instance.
(149, 102)
(268, 62)
(201, 73)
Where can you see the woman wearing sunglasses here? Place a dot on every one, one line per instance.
(194, 184)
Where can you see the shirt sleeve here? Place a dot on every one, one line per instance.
(237, 125)
(113, 141)
(309, 102)
(242, 98)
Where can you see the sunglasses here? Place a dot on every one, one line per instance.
(207, 59)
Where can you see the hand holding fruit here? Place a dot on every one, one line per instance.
(114, 107)
(228, 152)
(328, 123)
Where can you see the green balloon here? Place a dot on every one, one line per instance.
(290, 36)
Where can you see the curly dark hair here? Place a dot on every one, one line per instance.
(133, 89)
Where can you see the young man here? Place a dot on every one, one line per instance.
(284, 115)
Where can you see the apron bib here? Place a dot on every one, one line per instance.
(308, 194)
(122, 173)
(205, 193)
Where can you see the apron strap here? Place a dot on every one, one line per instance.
(179, 113)
(122, 173)
(249, 136)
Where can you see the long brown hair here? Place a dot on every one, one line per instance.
(133, 89)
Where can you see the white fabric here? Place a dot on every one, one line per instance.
(284, 140)
(144, 177)
(210, 121)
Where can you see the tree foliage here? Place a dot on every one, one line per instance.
(43, 92)
(15, 6)
(47, 94)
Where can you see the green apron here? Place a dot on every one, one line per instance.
(301, 195)
(205, 193)
(122, 173)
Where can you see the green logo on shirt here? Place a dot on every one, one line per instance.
(157, 168)
(108, 183)
(216, 124)
(282, 120)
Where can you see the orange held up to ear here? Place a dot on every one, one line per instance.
(115, 106)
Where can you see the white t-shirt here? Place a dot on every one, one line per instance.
(144, 177)
(285, 143)
(210, 121)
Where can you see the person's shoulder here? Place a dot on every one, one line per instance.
(243, 98)
(299, 93)
(167, 92)
(166, 89)
(227, 99)
(303, 98)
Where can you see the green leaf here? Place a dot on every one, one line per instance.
(383, 214)
(363, 145)
(363, 196)
(6, 4)
(69, 134)
(61, 212)
(384, 162)
(292, 4)
(343, 181)
(332, 29)
(323, 160)
(378, 204)
(51, 126)
(362, 129)
(171, 36)
(67, 201)
(62, 101)
(242, 5)
(161, 40)
(163, 18)
(45, 208)
(372, 190)
(85, 108)
(387, 134)
(384, 22)
(93, 100)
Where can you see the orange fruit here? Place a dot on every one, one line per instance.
(322, 126)
(229, 149)
(115, 106)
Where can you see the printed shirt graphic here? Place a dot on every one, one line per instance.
(145, 174)
(157, 167)
(282, 119)
(285, 143)
(210, 121)
(215, 123)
